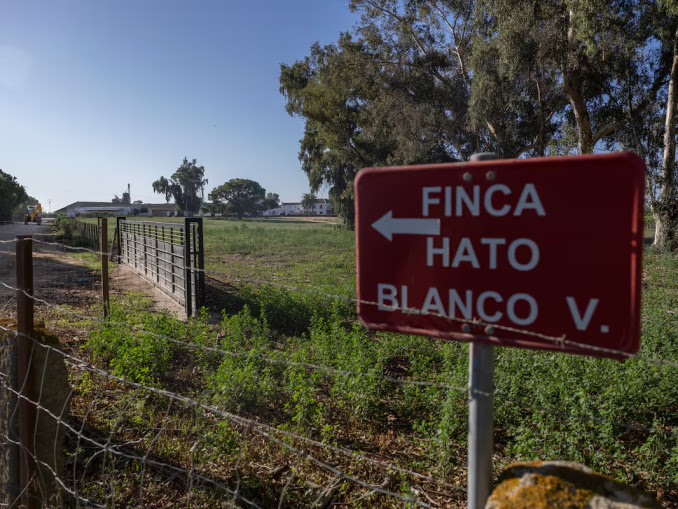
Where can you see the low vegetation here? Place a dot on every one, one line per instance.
(260, 361)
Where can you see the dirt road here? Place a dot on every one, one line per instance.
(53, 272)
(9, 231)
(61, 278)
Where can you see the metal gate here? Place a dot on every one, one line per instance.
(169, 255)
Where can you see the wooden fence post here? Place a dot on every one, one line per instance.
(10, 489)
(103, 236)
(27, 410)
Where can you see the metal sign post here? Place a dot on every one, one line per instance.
(480, 413)
(480, 423)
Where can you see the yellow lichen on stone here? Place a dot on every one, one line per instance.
(536, 491)
(560, 484)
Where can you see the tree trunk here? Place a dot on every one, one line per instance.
(659, 229)
(581, 116)
(542, 122)
(573, 92)
(665, 210)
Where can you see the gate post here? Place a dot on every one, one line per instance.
(118, 238)
(27, 412)
(200, 281)
(187, 267)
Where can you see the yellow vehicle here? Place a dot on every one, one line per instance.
(33, 214)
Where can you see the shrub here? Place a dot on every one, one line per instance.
(243, 382)
(137, 345)
(64, 224)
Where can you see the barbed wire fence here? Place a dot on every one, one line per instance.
(112, 438)
(225, 438)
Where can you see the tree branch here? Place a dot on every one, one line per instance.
(402, 20)
(456, 46)
(532, 146)
(604, 131)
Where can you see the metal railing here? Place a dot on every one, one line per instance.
(169, 255)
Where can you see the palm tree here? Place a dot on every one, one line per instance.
(307, 201)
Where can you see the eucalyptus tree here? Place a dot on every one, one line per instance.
(400, 90)
(664, 198)
(647, 115)
(438, 41)
(333, 89)
(365, 104)
(583, 58)
(436, 80)
(514, 90)
(184, 186)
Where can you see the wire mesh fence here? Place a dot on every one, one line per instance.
(118, 431)
(254, 409)
(88, 234)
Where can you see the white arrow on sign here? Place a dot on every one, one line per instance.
(387, 225)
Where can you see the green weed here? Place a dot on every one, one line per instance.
(136, 344)
(616, 417)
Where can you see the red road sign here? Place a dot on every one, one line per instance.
(511, 252)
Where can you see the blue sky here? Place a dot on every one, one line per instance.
(98, 94)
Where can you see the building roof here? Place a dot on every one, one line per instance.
(107, 205)
(90, 204)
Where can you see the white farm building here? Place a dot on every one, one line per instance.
(321, 207)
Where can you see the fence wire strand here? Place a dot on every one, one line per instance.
(325, 369)
(248, 424)
(557, 340)
(333, 371)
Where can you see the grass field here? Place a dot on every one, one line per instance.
(276, 280)
(312, 251)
